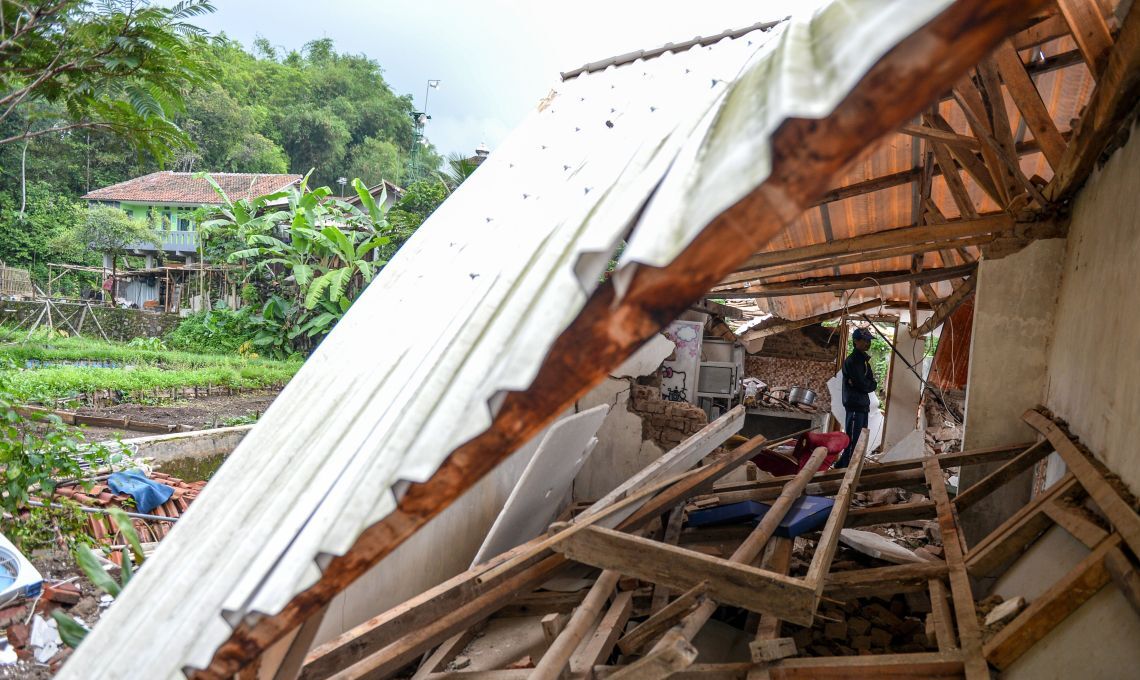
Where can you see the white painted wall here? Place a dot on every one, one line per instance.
(1094, 363)
(620, 451)
(1009, 350)
(906, 388)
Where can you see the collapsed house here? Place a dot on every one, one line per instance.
(903, 155)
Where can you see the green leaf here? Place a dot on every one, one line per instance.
(128, 569)
(91, 567)
(70, 631)
(317, 288)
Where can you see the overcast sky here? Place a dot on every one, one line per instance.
(495, 58)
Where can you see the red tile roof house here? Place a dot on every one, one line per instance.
(176, 195)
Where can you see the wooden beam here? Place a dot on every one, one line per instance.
(1118, 511)
(990, 556)
(969, 633)
(672, 534)
(954, 183)
(597, 649)
(998, 478)
(554, 661)
(1112, 101)
(805, 155)
(828, 284)
(829, 538)
(890, 514)
(936, 135)
(883, 581)
(942, 618)
(837, 261)
(1052, 607)
(1090, 30)
(1076, 521)
(674, 653)
(1028, 100)
(1125, 576)
(944, 308)
(889, 238)
(444, 653)
(659, 622)
(783, 326)
(972, 163)
(729, 582)
(1042, 32)
(778, 560)
(378, 635)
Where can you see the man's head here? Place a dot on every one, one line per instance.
(861, 338)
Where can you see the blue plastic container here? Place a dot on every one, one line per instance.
(807, 513)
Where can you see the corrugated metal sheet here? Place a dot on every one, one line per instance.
(509, 261)
(951, 366)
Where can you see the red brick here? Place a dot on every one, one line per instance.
(63, 593)
(18, 635)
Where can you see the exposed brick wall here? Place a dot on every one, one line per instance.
(793, 373)
(665, 423)
(119, 324)
(814, 343)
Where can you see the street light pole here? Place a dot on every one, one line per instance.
(420, 119)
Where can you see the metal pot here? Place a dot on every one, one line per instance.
(802, 395)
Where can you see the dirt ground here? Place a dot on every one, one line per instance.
(199, 414)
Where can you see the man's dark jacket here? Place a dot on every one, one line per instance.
(858, 382)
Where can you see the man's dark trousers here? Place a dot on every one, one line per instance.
(856, 421)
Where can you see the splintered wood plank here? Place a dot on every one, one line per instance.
(1052, 607)
(1005, 543)
(928, 665)
(1028, 100)
(890, 514)
(1090, 30)
(943, 136)
(554, 661)
(598, 647)
(970, 102)
(1106, 497)
(998, 478)
(969, 633)
(674, 653)
(444, 653)
(662, 620)
(739, 585)
(1113, 100)
(943, 619)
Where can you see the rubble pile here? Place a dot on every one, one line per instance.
(868, 626)
(943, 425)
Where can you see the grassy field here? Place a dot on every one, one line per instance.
(138, 369)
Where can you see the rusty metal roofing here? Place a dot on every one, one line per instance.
(184, 187)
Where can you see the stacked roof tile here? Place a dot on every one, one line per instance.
(184, 187)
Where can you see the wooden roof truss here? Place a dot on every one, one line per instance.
(996, 106)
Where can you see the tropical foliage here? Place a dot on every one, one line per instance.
(307, 259)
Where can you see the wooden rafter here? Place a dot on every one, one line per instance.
(830, 284)
(933, 235)
(784, 326)
(805, 154)
(972, 163)
(944, 308)
(1028, 100)
(1090, 31)
(1113, 100)
(1041, 32)
(936, 135)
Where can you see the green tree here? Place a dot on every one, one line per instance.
(107, 230)
(459, 168)
(30, 239)
(314, 138)
(117, 65)
(374, 160)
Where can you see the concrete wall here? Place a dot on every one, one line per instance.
(119, 324)
(1013, 322)
(905, 388)
(1093, 379)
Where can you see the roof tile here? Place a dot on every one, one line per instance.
(184, 187)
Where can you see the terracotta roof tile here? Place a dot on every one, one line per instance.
(182, 187)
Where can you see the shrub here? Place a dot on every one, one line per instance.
(217, 330)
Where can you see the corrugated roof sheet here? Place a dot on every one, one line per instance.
(184, 187)
(509, 259)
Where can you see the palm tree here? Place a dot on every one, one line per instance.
(459, 168)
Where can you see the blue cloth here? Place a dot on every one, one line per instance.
(148, 494)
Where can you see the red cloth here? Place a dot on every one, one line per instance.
(782, 465)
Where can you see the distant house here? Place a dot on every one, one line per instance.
(175, 196)
(392, 194)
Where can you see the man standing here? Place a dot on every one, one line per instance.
(858, 383)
